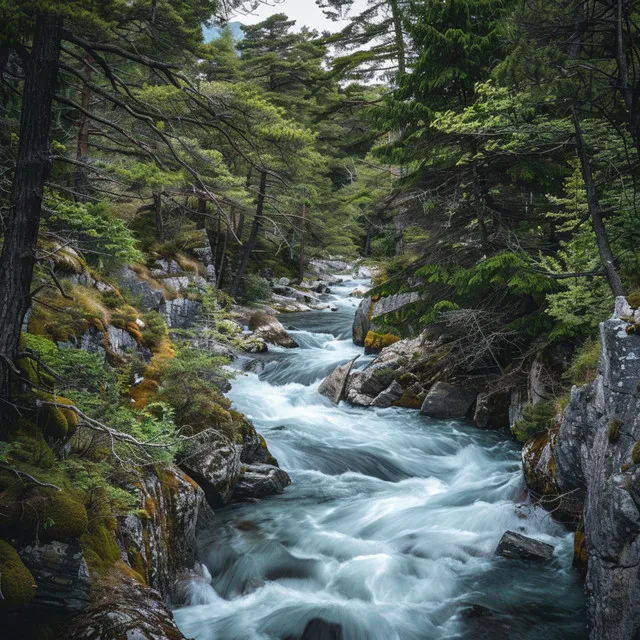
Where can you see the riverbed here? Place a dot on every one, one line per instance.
(389, 529)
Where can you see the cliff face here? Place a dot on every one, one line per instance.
(597, 455)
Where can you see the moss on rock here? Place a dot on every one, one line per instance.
(18, 585)
(375, 342)
(409, 400)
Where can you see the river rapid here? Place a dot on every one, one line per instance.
(390, 526)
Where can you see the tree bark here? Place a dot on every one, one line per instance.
(604, 247)
(302, 230)
(157, 201)
(399, 36)
(82, 150)
(33, 165)
(250, 244)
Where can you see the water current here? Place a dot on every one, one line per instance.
(389, 529)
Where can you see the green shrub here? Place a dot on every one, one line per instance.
(613, 429)
(536, 418)
(584, 366)
(76, 368)
(256, 288)
(155, 328)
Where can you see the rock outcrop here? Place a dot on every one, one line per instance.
(160, 539)
(598, 456)
(270, 329)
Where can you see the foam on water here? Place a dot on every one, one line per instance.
(390, 526)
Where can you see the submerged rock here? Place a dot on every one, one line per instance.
(270, 329)
(446, 400)
(515, 546)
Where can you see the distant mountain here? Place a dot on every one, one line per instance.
(212, 33)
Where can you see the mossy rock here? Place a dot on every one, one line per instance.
(635, 455)
(43, 514)
(56, 422)
(376, 342)
(18, 585)
(100, 549)
(408, 400)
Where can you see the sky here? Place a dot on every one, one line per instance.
(304, 12)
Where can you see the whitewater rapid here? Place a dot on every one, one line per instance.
(390, 526)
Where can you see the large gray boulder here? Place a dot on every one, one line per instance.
(448, 401)
(334, 385)
(219, 466)
(597, 455)
(270, 329)
(515, 546)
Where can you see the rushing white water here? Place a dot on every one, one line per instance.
(390, 526)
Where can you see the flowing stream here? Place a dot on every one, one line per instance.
(390, 526)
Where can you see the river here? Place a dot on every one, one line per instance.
(390, 526)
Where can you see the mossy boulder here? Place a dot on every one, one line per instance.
(41, 514)
(18, 585)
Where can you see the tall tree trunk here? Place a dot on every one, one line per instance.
(33, 165)
(302, 230)
(157, 201)
(250, 244)
(604, 247)
(82, 149)
(396, 16)
(628, 89)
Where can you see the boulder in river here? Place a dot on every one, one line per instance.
(515, 546)
(260, 480)
(270, 329)
(334, 385)
(446, 400)
(389, 396)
